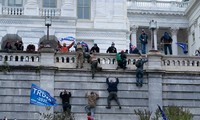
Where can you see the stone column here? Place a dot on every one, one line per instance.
(174, 31)
(1, 8)
(134, 29)
(47, 75)
(155, 39)
(68, 8)
(31, 8)
(154, 71)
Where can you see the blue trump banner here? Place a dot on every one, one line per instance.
(41, 97)
(68, 38)
(183, 46)
(162, 113)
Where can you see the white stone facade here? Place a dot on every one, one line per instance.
(110, 21)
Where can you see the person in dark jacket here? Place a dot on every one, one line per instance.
(8, 47)
(122, 62)
(65, 96)
(139, 71)
(94, 49)
(135, 50)
(19, 45)
(30, 48)
(112, 48)
(143, 40)
(112, 89)
(166, 38)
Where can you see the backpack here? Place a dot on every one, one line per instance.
(118, 57)
(138, 63)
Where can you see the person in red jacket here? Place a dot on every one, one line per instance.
(89, 117)
(65, 48)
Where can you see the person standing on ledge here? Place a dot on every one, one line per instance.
(166, 38)
(112, 89)
(94, 49)
(112, 48)
(143, 40)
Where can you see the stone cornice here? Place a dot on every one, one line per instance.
(149, 12)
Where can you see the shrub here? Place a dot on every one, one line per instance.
(58, 116)
(171, 112)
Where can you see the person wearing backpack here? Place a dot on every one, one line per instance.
(167, 40)
(139, 71)
(143, 40)
(121, 60)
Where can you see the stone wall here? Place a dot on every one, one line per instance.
(168, 80)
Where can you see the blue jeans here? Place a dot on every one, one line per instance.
(169, 46)
(90, 109)
(143, 48)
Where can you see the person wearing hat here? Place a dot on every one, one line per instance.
(143, 40)
(94, 64)
(112, 48)
(79, 55)
(167, 40)
(139, 71)
(95, 49)
(65, 48)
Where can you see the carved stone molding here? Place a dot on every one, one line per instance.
(138, 12)
(195, 23)
(134, 29)
(31, 1)
(5, 21)
(174, 30)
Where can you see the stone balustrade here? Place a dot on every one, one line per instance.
(107, 61)
(166, 5)
(50, 12)
(181, 63)
(12, 10)
(20, 59)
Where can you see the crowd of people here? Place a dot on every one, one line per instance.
(166, 40)
(92, 98)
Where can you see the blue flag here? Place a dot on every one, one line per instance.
(41, 97)
(162, 112)
(68, 38)
(183, 46)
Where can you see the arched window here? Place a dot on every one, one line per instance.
(49, 3)
(84, 9)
